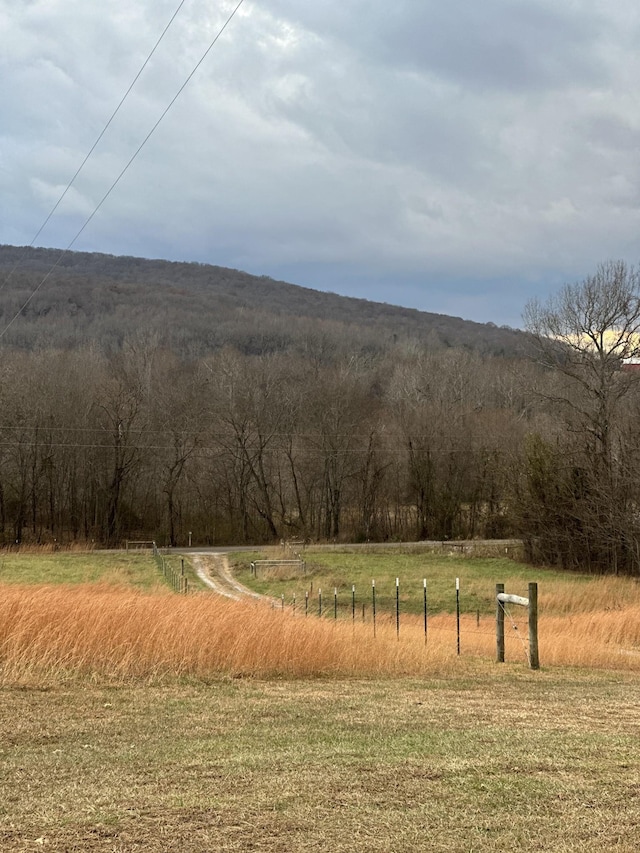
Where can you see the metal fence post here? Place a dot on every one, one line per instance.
(534, 658)
(373, 599)
(458, 612)
(424, 586)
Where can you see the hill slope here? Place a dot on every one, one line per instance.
(198, 308)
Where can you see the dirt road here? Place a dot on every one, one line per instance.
(214, 571)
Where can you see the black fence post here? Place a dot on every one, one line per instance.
(534, 658)
(424, 586)
(373, 600)
(458, 612)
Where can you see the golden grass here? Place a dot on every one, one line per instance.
(583, 595)
(114, 633)
(49, 633)
(606, 639)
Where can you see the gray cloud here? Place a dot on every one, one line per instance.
(499, 44)
(437, 155)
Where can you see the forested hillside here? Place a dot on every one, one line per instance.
(119, 421)
(196, 309)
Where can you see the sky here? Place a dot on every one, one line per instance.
(455, 157)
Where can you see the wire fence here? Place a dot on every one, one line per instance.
(173, 575)
(386, 610)
(380, 610)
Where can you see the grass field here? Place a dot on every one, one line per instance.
(133, 719)
(42, 565)
(334, 570)
(481, 761)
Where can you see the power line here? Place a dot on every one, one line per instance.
(93, 147)
(216, 442)
(125, 169)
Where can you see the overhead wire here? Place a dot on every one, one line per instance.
(94, 146)
(124, 170)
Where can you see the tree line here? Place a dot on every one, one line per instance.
(253, 449)
(403, 443)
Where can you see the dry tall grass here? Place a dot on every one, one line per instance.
(49, 633)
(52, 632)
(588, 595)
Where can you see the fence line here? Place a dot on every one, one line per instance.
(373, 613)
(256, 564)
(176, 580)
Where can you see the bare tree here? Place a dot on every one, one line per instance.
(588, 333)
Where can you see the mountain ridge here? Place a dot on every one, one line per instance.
(95, 290)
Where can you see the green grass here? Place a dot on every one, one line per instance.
(135, 569)
(329, 570)
(178, 564)
(484, 761)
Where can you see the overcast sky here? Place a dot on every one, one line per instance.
(458, 157)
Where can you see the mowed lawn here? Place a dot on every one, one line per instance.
(483, 760)
(335, 571)
(475, 756)
(135, 569)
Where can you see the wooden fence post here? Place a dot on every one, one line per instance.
(532, 604)
(499, 624)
